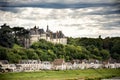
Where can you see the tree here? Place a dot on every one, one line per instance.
(59, 50)
(44, 56)
(105, 54)
(3, 53)
(106, 43)
(13, 58)
(42, 44)
(21, 35)
(116, 56)
(71, 41)
(16, 30)
(116, 47)
(31, 54)
(96, 52)
(73, 52)
(51, 54)
(115, 51)
(6, 37)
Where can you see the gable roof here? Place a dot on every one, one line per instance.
(58, 61)
(29, 61)
(4, 61)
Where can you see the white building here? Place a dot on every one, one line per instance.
(4, 64)
(36, 34)
(30, 65)
(12, 67)
(46, 65)
(59, 64)
(69, 65)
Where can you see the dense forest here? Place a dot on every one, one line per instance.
(12, 47)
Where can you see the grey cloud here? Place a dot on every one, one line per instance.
(79, 26)
(4, 6)
(108, 28)
(10, 5)
(72, 25)
(105, 12)
(10, 9)
(115, 25)
(75, 14)
(55, 5)
(4, 3)
(112, 17)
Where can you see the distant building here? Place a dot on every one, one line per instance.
(30, 65)
(36, 34)
(46, 65)
(59, 64)
(4, 64)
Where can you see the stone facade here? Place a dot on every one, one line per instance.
(36, 34)
(59, 64)
(30, 65)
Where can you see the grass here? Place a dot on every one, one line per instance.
(88, 74)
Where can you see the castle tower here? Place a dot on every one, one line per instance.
(47, 33)
(47, 29)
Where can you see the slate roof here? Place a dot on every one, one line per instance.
(4, 61)
(29, 61)
(37, 31)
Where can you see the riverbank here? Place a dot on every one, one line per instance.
(88, 74)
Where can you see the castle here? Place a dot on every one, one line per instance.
(36, 34)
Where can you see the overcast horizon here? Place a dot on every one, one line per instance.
(77, 18)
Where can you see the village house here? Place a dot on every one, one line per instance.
(30, 65)
(112, 63)
(19, 68)
(12, 67)
(76, 64)
(46, 65)
(92, 63)
(59, 64)
(82, 64)
(4, 64)
(117, 65)
(69, 65)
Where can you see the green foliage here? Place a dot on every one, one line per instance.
(11, 40)
(95, 47)
(10, 36)
(13, 58)
(116, 56)
(105, 54)
(42, 44)
(49, 51)
(6, 38)
(17, 46)
(116, 46)
(31, 54)
(3, 53)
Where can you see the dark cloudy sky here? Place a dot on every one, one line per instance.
(76, 18)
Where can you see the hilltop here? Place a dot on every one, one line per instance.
(12, 47)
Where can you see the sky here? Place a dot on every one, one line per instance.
(75, 18)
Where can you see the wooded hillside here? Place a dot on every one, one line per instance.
(12, 47)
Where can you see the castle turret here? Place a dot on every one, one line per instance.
(47, 29)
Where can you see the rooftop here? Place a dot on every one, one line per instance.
(58, 61)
